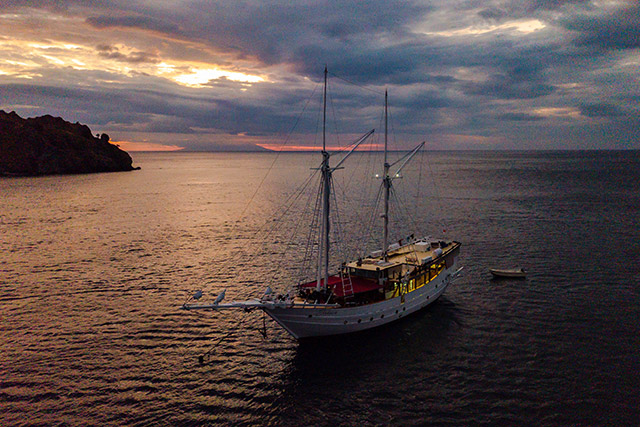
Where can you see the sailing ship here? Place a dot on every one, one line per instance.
(384, 286)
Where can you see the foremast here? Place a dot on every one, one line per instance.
(387, 179)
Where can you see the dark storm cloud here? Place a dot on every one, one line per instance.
(75, 104)
(619, 29)
(534, 5)
(514, 72)
(504, 86)
(51, 4)
(370, 64)
(498, 11)
(134, 21)
(274, 32)
(112, 52)
(152, 111)
(600, 110)
(466, 64)
(63, 5)
(171, 125)
(424, 100)
(520, 117)
(493, 14)
(517, 70)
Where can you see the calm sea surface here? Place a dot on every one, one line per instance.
(94, 269)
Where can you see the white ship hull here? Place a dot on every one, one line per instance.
(310, 321)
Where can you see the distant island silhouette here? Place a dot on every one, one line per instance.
(49, 145)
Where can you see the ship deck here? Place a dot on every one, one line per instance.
(364, 275)
(414, 253)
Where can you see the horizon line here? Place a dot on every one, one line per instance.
(382, 151)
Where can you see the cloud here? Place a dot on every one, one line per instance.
(277, 32)
(506, 87)
(615, 29)
(518, 70)
(112, 52)
(148, 110)
(42, 4)
(600, 110)
(134, 21)
(493, 13)
(535, 5)
(520, 117)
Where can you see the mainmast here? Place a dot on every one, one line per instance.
(387, 186)
(323, 244)
(323, 255)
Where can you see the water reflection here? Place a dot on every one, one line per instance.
(94, 269)
(332, 376)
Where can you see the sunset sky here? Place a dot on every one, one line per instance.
(224, 75)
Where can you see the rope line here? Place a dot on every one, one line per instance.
(438, 198)
(356, 84)
(279, 151)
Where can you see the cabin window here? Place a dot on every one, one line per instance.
(361, 272)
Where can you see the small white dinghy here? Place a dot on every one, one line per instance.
(514, 273)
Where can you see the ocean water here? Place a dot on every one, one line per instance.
(94, 269)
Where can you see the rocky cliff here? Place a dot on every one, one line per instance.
(50, 145)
